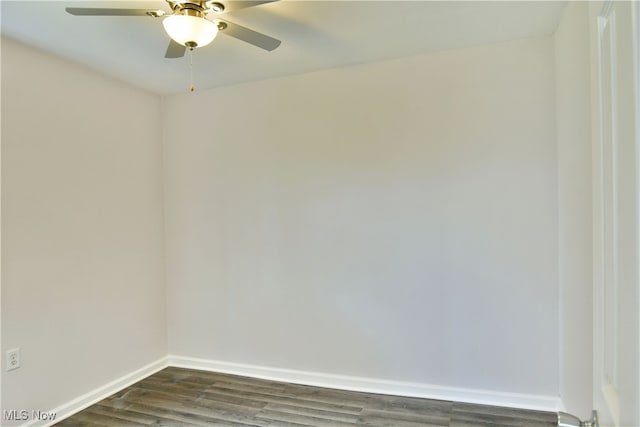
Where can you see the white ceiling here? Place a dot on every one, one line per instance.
(315, 35)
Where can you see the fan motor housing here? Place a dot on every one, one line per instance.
(196, 8)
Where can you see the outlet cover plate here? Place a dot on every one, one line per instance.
(13, 359)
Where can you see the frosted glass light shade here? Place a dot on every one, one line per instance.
(190, 29)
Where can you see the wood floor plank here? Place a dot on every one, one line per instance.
(205, 408)
(284, 398)
(503, 411)
(97, 420)
(374, 421)
(438, 418)
(176, 397)
(307, 420)
(207, 398)
(411, 405)
(285, 424)
(120, 416)
(76, 422)
(173, 416)
(496, 420)
(329, 415)
(332, 395)
(498, 416)
(125, 414)
(94, 416)
(217, 376)
(204, 392)
(286, 391)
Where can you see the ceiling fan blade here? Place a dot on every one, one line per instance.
(252, 37)
(230, 6)
(175, 50)
(89, 11)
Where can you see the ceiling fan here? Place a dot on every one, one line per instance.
(188, 26)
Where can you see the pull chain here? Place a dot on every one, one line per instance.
(191, 87)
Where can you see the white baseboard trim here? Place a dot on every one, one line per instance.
(76, 405)
(373, 385)
(340, 382)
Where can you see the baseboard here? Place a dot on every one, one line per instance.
(88, 399)
(373, 385)
(340, 382)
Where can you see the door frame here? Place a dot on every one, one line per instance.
(606, 398)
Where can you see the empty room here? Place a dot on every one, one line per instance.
(320, 213)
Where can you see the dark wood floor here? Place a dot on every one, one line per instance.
(183, 397)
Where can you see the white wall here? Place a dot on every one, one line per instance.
(395, 220)
(83, 291)
(573, 105)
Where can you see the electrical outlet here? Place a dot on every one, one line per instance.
(13, 359)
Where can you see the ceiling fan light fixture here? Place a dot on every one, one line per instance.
(190, 31)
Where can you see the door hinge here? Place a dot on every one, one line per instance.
(568, 420)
